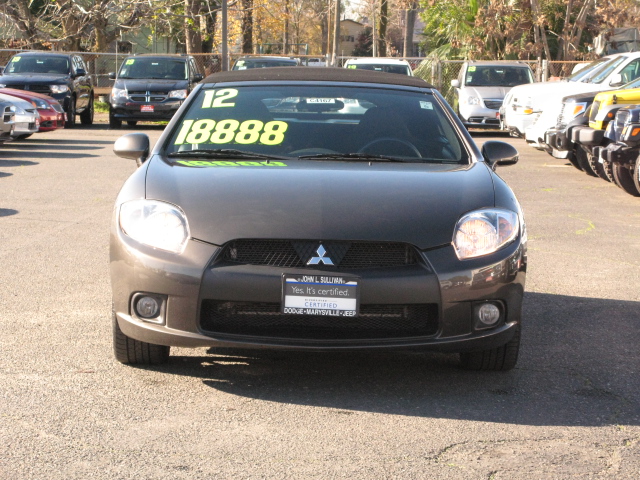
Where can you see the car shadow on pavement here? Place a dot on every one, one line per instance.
(578, 366)
(14, 163)
(55, 141)
(47, 154)
(7, 212)
(47, 146)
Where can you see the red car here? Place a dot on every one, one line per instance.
(52, 114)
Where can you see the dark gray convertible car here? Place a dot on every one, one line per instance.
(318, 209)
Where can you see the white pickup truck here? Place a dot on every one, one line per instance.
(530, 110)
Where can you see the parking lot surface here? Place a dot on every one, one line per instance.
(570, 408)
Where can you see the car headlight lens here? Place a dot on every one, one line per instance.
(41, 104)
(119, 93)
(473, 101)
(181, 94)
(572, 110)
(58, 88)
(157, 224)
(484, 231)
(3, 85)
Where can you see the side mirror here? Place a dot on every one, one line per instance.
(616, 80)
(112, 75)
(455, 83)
(198, 77)
(80, 72)
(134, 146)
(499, 153)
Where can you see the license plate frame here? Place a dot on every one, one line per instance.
(147, 108)
(326, 295)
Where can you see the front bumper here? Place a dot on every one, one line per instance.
(618, 153)
(135, 111)
(189, 281)
(51, 120)
(480, 117)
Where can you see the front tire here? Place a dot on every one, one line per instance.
(134, 352)
(86, 117)
(585, 160)
(114, 123)
(626, 179)
(71, 114)
(498, 359)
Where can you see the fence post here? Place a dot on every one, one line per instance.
(545, 70)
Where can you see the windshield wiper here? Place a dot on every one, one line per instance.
(224, 153)
(364, 157)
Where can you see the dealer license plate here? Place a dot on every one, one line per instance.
(336, 296)
(146, 108)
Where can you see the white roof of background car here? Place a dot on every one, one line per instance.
(378, 61)
(513, 63)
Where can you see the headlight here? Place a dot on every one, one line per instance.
(41, 104)
(157, 224)
(118, 93)
(472, 101)
(572, 110)
(58, 88)
(484, 231)
(3, 85)
(524, 105)
(182, 94)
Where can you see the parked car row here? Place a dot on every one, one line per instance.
(589, 119)
(25, 113)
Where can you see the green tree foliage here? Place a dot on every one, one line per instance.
(520, 29)
(364, 43)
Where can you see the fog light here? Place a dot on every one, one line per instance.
(488, 314)
(147, 307)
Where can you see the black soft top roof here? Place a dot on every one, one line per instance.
(316, 75)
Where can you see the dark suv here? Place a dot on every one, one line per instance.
(151, 88)
(59, 75)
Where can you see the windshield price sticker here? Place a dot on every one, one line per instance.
(231, 131)
(220, 163)
(321, 100)
(219, 98)
(320, 295)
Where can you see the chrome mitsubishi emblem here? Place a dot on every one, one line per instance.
(320, 258)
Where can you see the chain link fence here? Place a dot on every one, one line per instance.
(437, 72)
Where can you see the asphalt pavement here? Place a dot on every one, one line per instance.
(68, 410)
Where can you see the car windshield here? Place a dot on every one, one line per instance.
(400, 69)
(154, 68)
(263, 63)
(497, 76)
(38, 64)
(600, 75)
(588, 70)
(316, 122)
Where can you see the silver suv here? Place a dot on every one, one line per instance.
(481, 87)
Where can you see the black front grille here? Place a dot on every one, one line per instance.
(265, 320)
(493, 104)
(142, 95)
(44, 89)
(296, 254)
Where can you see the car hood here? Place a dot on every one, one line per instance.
(36, 78)
(415, 203)
(21, 105)
(136, 85)
(487, 92)
(551, 92)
